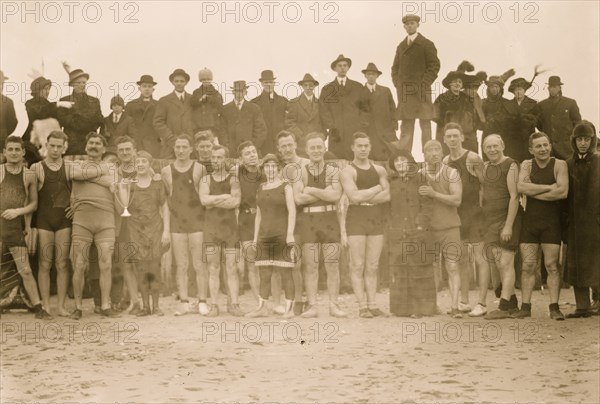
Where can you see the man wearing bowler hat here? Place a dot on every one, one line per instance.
(384, 124)
(303, 113)
(207, 104)
(173, 116)
(344, 108)
(84, 117)
(142, 111)
(242, 120)
(273, 107)
(557, 116)
(8, 118)
(414, 70)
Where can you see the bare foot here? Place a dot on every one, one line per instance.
(63, 313)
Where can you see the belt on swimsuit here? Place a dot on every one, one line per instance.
(365, 204)
(314, 209)
(249, 210)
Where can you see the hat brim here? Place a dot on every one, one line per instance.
(369, 70)
(453, 76)
(87, 76)
(267, 79)
(172, 76)
(560, 83)
(39, 86)
(139, 83)
(524, 86)
(237, 89)
(335, 62)
(301, 82)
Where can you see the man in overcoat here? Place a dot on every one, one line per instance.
(273, 107)
(557, 116)
(344, 108)
(173, 116)
(8, 117)
(142, 111)
(414, 70)
(207, 104)
(303, 113)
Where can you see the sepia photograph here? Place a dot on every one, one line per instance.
(302, 201)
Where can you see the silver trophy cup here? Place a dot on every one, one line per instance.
(124, 194)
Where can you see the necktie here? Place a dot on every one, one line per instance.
(342, 83)
(116, 119)
(409, 41)
(238, 104)
(181, 98)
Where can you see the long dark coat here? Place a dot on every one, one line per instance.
(303, 118)
(557, 116)
(8, 119)
(142, 113)
(344, 111)
(414, 70)
(521, 126)
(206, 113)
(171, 119)
(583, 220)
(274, 115)
(37, 108)
(83, 117)
(383, 124)
(241, 125)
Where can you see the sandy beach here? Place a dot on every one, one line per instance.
(197, 359)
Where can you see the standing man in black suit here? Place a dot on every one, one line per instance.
(273, 107)
(557, 116)
(344, 108)
(8, 118)
(173, 116)
(142, 111)
(383, 125)
(415, 68)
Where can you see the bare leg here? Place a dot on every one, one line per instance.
(374, 246)
(331, 257)
(21, 258)
(46, 250)
(483, 271)
(81, 253)
(529, 254)
(179, 244)
(105, 254)
(232, 274)
(466, 269)
(551, 253)
(62, 240)
(357, 245)
(196, 250)
(214, 269)
(253, 274)
(310, 261)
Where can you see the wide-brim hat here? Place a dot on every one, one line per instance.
(146, 78)
(39, 84)
(371, 68)
(459, 73)
(267, 75)
(410, 17)
(239, 85)
(341, 58)
(307, 77)
(519, 82)
(474, 80)
(501, 79)
(554, 81)
(76, 74)
(179, 72)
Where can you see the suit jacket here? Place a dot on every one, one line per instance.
(112, 131)
(83, 117)
(557, 118)
(384, 124)
(414, 70)
(303, 118)
(206, 114)
(274, 115)
(344, 111)
(171, 119)
(142, 113)
(241, 125)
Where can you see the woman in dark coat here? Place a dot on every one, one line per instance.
(583, 220)
(522, 121)
(39, 108)
(411, 250)
(496, 108)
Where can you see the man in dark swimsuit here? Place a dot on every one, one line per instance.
(18, 200)
(220, 194)
(182, 179)
(367, 189)
(545, 181)
(317, 193)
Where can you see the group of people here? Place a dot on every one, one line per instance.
(248, 188)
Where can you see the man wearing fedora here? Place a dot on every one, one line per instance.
(557, 116)
(83, 117)
(173, 116)
(242, 120)
(383, 125)
(207, 104)
(303, 113)
(142, 110)
(118, 124)
(8, 117)
(415, 68)
(273, 107)
(521, 121)
(344, 108)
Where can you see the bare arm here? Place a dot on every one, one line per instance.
(291, 207)
(39, 174)
(165, 174)
(300, 197)
(32, 197)
(454, 198)
(513, 206)
(525, 186)
(205, 198)
(233, 199)
(384, 195)
(333, 191)
(257, 224)
(341, 212)
(560, 189)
